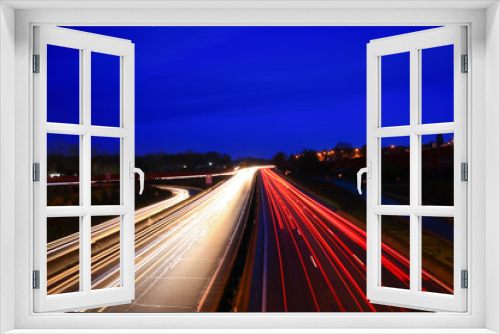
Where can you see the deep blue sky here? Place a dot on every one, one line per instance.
(254, 90)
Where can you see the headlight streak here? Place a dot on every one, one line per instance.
(60, 248)
(195, 222)
(160, 246)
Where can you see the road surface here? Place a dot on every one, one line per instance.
(313, 259)
(62, 254)
(180, 259)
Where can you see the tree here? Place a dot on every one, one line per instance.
(342, 149)
(439, 140)
(309, 164)
(343, 146)
(279, 160)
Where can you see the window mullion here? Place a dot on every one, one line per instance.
(414, 169)
(85, 255)
(82, 191)
(127, 180)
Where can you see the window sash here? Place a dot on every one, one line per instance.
(86, 43)
(413, 43)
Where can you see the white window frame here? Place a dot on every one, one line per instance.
(85, 43)
(483, 122)
(414, 43)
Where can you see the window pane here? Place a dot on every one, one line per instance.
(437, 85)
(437, 254)
(105, 89)
(63, 85)
(105, 251)
(105, 171)
(63, 170)
(395, 250)
(437, 169)
(395, 171)
(63, 255)
(395, 93)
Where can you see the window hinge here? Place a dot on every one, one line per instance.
(464, 279)
(36, 63)
(36, 279)
(36, 172)
(464, 171)
(465, 64)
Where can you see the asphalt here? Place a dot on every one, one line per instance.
(178, 260)
(311, 259)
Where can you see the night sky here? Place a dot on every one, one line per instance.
(251, 91)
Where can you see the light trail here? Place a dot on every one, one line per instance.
(336, 248)
(192, 242)
(207, 224)
(59, 247)
(60, 250)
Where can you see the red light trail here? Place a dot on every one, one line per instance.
(316, 257)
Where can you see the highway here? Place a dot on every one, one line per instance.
(313, 259)
(62, 254)
(180, 259)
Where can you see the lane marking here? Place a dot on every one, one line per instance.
(314, 262)
(357, 259)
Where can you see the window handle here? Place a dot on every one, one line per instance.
(368, 172)
(134, 170)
